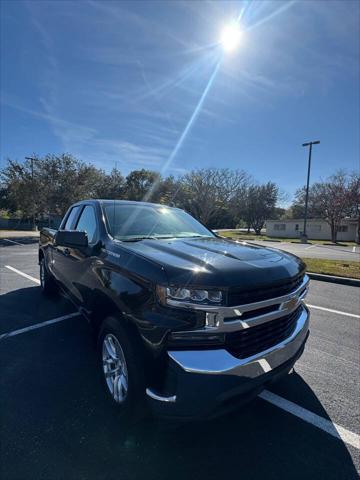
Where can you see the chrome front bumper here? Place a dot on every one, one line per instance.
(206, 378)
(221, 362)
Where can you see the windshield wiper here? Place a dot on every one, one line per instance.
(160, 237)
(193, 236)
(138, 239)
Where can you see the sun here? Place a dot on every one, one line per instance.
(230, 37)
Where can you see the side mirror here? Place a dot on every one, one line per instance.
(71, 239)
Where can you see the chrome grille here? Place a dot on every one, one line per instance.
(256, 339)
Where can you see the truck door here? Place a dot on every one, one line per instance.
(59, 261)
(80, 277)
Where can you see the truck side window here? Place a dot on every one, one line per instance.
(87, 223)
(71, 217)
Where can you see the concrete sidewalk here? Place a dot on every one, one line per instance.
(18, 234)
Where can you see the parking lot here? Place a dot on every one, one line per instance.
(328, 252)
(56, 423)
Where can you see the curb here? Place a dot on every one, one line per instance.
(354, 282)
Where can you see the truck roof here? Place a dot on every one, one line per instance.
(122, 202)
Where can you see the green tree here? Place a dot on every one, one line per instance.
(260, 205)
(170, 192)
(142, 185)
(54, 183)
(19, 186)
(297, 209)
(111, 186)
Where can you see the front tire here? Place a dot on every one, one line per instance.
(47, 282)
(121, 369)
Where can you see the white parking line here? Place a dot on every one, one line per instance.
(333, 311)
(29, 277)
(311, 246)
(38, 325)
(13, 241)
(327, 426)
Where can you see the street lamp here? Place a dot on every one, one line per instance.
(308, 144)
(32, 160)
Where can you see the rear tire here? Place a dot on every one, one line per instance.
(122, 370)
(47, 282)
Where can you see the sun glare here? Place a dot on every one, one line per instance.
(230, 37)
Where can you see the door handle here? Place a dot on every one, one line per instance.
(66, 252)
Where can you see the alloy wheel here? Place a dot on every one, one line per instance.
(115, 369)
(42, 274)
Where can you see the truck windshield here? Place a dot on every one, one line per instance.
(136, 222)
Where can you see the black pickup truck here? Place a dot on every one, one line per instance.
(186, 322)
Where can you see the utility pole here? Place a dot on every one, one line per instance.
(32, 160)
(308, 144)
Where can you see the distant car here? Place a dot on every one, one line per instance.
(191, 323)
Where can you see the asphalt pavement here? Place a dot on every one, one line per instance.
(330, 252)
(56, 423)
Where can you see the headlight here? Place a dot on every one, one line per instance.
(188, 295)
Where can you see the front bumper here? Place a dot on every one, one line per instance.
(206, 382)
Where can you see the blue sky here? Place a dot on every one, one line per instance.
(147, 85)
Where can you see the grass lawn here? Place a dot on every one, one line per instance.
(341, 268)
(234, 234)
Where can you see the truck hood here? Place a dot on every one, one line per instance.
(216, 262)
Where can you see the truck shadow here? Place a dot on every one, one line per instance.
(25, 306)
(258, 441)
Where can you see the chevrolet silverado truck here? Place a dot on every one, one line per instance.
(187, 323)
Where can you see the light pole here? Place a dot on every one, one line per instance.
(32, 160)
(308, 144)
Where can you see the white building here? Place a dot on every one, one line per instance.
(316, 229)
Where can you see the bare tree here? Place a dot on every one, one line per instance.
(209, 190)
(354, 193)
(335, 199)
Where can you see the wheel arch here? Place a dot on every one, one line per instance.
(106, 308)
(41, 255)
(112, 311)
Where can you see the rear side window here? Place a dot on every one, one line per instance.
(71, 217)
(87, 223)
